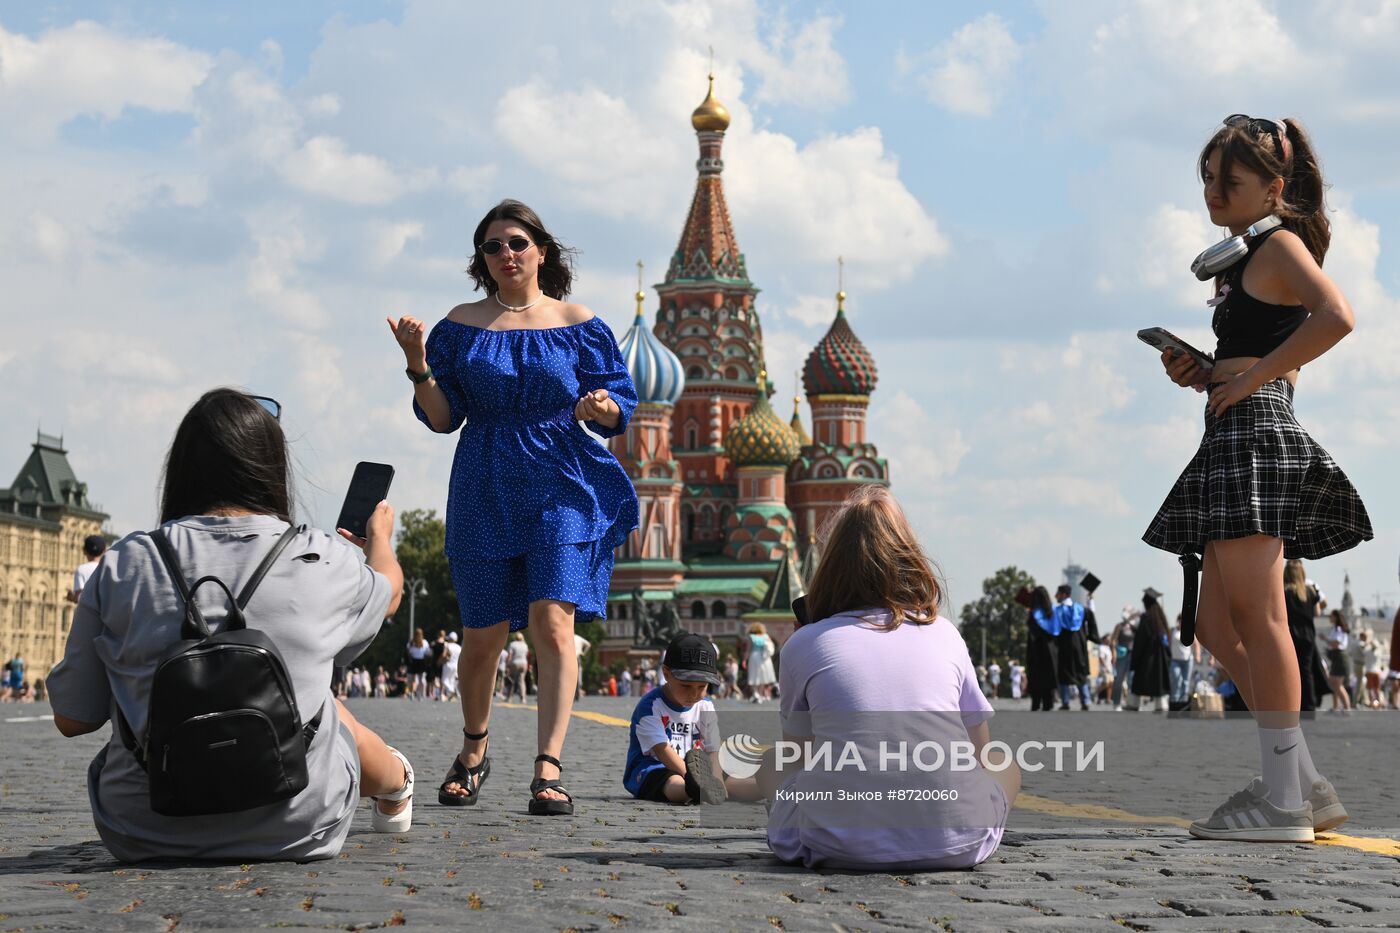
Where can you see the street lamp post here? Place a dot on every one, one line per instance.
(414, 587)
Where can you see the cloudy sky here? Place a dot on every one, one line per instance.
(237, 193)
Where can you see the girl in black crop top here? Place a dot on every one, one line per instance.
(1259, 489)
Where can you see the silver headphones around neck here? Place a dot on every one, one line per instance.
(1221, 256)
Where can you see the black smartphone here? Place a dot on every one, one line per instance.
(799, 610)
(1161, 339)
(368, 487)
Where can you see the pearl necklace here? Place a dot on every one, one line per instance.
(525, 307)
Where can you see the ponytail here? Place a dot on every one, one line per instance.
(1302, 207)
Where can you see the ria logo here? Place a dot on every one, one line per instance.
(740, 755)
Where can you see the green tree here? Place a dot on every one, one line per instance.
(999, 615)
(422, 536)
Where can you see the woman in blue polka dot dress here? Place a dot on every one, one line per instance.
(536, 505)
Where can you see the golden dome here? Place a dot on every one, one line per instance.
(711, 114)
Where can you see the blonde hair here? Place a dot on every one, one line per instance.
(757, 629)
(1295, 579)
(418, 638)
(874, 559)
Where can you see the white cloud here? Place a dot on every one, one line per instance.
(795, 64)
(923, 453)
(391, 239)
(324, 166)
(803, 69)
(865, 212)
(1198, 37)
(88, 69)
(969, 72)
(273, 274)
(50, 238)
(592, 142)
(323, 105)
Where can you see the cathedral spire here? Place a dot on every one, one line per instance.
(708, 250)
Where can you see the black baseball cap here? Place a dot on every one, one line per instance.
(691, 658)
(93, 545)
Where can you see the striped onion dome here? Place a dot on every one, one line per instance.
(840, 364)
(656, 371)
(760, 438)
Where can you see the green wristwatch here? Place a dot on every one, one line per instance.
(419, 378)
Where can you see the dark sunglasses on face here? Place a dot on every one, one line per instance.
(516, 244)
(269, 405)
(1256, 125)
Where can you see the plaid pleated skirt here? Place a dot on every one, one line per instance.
(1257, 472)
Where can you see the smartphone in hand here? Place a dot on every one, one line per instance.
(1162, 339)
(368, 487)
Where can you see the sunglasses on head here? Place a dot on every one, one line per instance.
(1258, 125)
(516, 244)
(269, 405)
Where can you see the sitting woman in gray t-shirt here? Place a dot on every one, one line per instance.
(225, 500)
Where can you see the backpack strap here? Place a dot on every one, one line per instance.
(266, 565)
(194, 625)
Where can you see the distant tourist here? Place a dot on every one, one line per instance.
(93, 547)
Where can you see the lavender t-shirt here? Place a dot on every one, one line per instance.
(847, 673)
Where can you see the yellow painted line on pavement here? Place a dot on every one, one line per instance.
(1376, 845)
(1092, 811)
(591, 716)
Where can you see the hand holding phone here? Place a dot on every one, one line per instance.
(368, 488)
(1186, 365)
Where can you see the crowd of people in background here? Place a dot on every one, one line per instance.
(428, 671)
(1143, 663)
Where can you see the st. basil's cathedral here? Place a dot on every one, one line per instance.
(732, 497)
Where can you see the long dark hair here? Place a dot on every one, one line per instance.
(881, 563)
(1302, 207)
(1040, 599)
(556, 259)
(1153, 621)
(229, 452)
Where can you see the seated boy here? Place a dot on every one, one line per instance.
(673, 751)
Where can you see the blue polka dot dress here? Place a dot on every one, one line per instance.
(535, 505)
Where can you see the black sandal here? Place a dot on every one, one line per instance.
(550, 806)
(469, 779)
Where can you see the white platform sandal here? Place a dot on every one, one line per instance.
(402, 821)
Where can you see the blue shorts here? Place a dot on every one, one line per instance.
(490, 591)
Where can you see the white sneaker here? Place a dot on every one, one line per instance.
(1328, 812)
(1249, 817)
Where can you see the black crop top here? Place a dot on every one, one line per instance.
(1246, 326)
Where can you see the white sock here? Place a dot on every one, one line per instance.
(1307, 771)
(1279, 758)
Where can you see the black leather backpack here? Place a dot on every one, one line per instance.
(222, 731)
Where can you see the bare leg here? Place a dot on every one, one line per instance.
(552, 632)
(476, 678)
(1216, 630)
(1252, 572)
(380, 772)
(1341, 698)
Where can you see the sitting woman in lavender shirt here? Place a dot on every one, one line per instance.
(884, 682)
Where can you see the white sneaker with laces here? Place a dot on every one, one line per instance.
(1248, 816)
(1328, 812)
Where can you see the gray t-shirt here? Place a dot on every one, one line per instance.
(320, 603)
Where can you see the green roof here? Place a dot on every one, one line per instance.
(755, 568)
(753, 587)
(653, 596)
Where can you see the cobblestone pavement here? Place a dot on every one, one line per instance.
(1105, 851)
